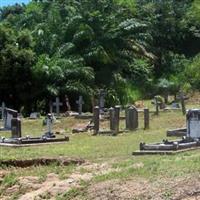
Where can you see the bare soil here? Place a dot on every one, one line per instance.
(31, 187)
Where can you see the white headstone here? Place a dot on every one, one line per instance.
(193, 123)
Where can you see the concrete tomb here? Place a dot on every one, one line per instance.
(189, 142)
(17, 140)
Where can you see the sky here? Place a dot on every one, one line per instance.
(11, 2)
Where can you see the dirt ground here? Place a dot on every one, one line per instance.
(137, 188)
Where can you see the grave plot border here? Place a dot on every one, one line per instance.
(49, 142)
(180, 132)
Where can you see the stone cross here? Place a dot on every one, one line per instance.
(80, 103)
(57, 104)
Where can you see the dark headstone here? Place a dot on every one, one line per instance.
(16, 128)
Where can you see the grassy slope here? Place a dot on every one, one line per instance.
(105, 149)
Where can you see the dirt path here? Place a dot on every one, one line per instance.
(31, 188)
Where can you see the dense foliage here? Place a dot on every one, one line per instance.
(130, 48)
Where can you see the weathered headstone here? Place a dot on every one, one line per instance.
(16, 128)
(127, 117)
(182, 98)
(3, 107)
(96, 119)
(34, 115)
(102, 95)
(116, 120)
(146, 118)
(157, 106)
(80, 103)
(9, 115)
(112, 118)
(133, 118)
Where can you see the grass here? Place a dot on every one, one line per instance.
(104, 149)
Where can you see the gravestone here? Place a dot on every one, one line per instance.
(193, 123)
(112, 118)
(96, 119)
(133, 118)
(57, 104)
(16, 128)
(80, 103)
(116, 120)
(9, 115)
(146, 118)
(175, 105)
(127, 117)
(102, 95)
(157, 106)
(34, 115)
(182, 98)
(3, 107)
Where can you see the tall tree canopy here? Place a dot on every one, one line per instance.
(78, 46)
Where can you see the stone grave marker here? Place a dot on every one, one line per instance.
(146, 118)
(96, 119)
(182, 98)
(80, 103)
(132, 118)
(57, 104)
(34, 115)
(112, 118)
(102, 95)
(3, 107)
(116, 119)
(16, 128)
(9, 115)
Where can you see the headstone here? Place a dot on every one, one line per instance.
(116, 119)
(182, 98)
(193, 123)
(49, 132)
(102, 95)
(127, 117)
(175, 105)
(96, 119)
(157, 106)
(133, 118)
(80, 103)
(3, 107)
(16, 128)
(112, 118)
(9, 115)
(34, 115)
(146, 118)
(67, 103)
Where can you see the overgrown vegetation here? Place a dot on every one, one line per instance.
(53, 48)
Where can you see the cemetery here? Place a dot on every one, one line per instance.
(99, 100)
